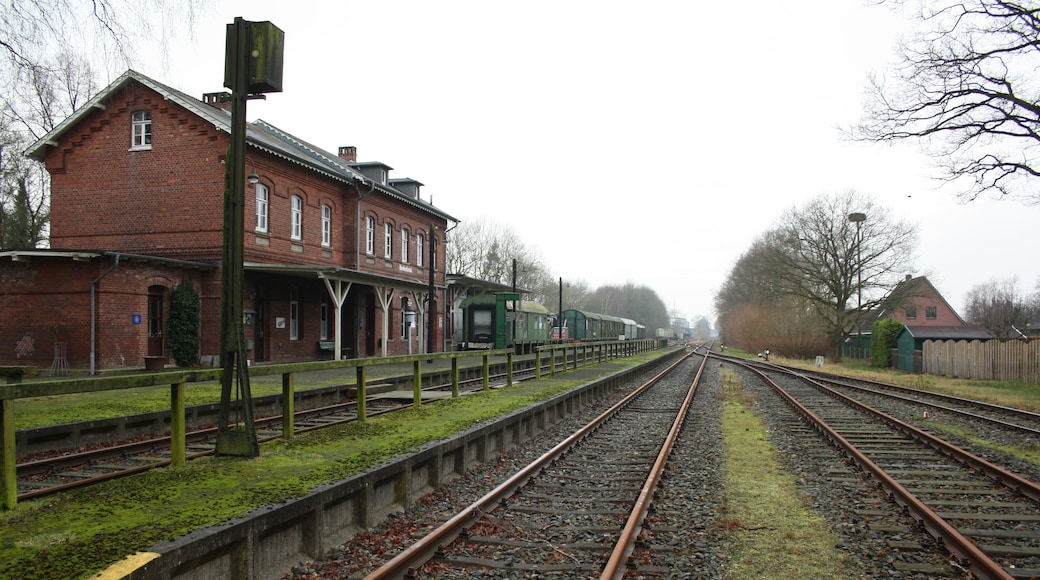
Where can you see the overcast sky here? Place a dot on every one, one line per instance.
(644, 142)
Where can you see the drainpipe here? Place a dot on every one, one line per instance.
(93, 316)
(357, 251)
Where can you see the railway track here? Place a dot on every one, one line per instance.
(1019, 421)
(576, 511)
(63, 470)
(985, 516)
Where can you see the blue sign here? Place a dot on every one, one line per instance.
(135, 318)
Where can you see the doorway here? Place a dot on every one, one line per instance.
(156, 320)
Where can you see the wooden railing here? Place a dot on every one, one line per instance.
(178, 380)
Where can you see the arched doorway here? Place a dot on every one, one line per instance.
(156, 320)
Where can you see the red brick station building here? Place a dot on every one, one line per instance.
(335, 250)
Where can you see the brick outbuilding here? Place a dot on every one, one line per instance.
(335, 250)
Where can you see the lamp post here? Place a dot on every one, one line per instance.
(858, 218)
(559, 317)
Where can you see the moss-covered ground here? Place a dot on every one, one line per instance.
(772, 531)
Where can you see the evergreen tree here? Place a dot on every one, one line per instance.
(183, 325)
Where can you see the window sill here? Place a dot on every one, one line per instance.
(140, 148)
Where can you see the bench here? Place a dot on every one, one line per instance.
(14, 374)
(330, 345)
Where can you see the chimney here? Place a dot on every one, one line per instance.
(221, 100)
(348, 154)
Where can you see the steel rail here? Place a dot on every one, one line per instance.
(414, 556)
(617, 563)
(980, 565)
(909, 399)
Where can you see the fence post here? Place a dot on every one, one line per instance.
(288, 405)
(537, 363)
(454, 376)
(361, 410)
(486, 371)
(8, 469)
(417, 383)
(178, 436)
(509, 369)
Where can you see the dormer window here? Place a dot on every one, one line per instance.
(141, 134)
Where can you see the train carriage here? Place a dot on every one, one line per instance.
(582, 325)
(493, 321)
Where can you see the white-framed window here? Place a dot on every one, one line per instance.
(324, 319)
(419, 250)
(326, 225)
(297, 217)
(404, 318)
(261, 207)
(294, 313)
(141, 134)
(370, 236)
(388, 239)
(404, 245)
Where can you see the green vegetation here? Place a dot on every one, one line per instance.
(82, 531)
(183, 324)
(884, 335)
(772, 533)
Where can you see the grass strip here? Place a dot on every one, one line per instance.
(77, 533)
(771, 531)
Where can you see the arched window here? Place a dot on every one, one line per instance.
(419, 250)
(370, 236)
(404, 245)
(261, 207)
(326, 225)
(297, 217)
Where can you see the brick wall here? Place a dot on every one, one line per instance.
(48, 300)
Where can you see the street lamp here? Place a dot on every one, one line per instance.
(858, 218)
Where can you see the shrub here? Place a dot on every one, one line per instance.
(183, 325)
(883, 340)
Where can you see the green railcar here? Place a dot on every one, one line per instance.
(502, 321)
(582, 325)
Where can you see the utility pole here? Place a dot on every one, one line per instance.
(253, 66)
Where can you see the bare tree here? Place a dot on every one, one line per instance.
(817, 264)
(491, 251)
(1000, 307)
(965, 89)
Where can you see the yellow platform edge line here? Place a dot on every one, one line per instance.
(126, 566)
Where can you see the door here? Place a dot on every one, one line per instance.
(260, 331)
(156, 320)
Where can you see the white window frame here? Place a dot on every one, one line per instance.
(404, 245)
(294, 313)
(297, 217)
(419, 239)
(388, 239)
(141, 131)
(326, 225)
(370, 236)
(262, 200)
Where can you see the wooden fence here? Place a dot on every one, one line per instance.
(992, 360)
